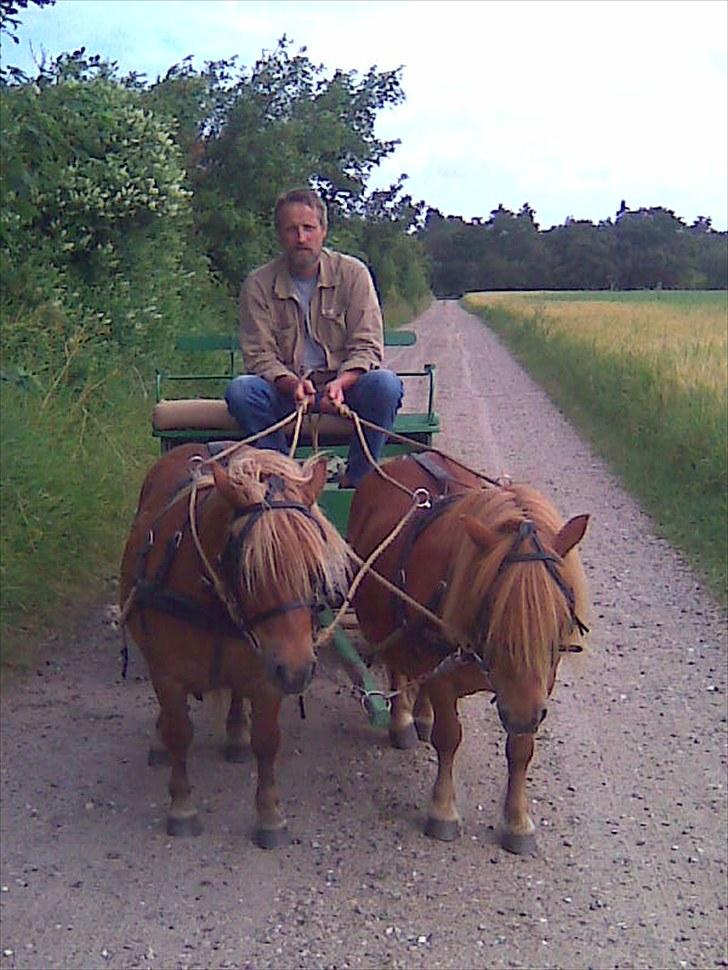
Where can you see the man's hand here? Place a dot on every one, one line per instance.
(333, 396)
(301, 390)
(304, 392)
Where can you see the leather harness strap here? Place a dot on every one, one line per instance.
(423, 520)
(213, 616)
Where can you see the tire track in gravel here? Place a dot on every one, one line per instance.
(628, 785)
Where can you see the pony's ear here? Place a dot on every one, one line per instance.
(483, 537)
(232, 493)
(313, 488)
(570, 534)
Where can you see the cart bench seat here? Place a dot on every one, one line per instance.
(180, 420)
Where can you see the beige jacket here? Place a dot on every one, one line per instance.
(345, 318)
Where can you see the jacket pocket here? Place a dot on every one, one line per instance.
(285, 337)
(332, 328)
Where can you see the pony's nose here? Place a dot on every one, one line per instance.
(293, 681)
(514, 725)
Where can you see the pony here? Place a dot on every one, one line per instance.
(224, 567)
(504, 589)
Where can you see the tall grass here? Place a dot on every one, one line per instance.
(646, 377)
(70, 480)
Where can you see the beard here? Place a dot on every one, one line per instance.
(303, 260)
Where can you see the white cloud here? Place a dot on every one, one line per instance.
(571, 106)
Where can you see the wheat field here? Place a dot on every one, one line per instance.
(645, 377)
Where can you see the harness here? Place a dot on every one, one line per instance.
(427, 516)
(419, 625)
(222, 617)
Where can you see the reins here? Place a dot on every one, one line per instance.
(146, 593)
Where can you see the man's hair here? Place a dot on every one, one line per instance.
(305, 197)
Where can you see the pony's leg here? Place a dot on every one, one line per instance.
(443, 820)
(158, 755)
(271, 831)
(175, 728)
(517, 831)
(402, 731)
(237, 734)
(424, 715)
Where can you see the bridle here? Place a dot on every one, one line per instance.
(230, 557)
(231, 621)
(527, 530)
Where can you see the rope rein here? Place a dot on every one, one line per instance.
(420, 500)
(359, 423)
(212, 575)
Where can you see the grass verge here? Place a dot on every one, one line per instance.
(665, 435)
(70, 482)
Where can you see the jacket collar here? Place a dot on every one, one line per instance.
(283, 284)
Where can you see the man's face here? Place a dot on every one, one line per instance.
(301, 236)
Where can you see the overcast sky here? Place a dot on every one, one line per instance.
(569, 106)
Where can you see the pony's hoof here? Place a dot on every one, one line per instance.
(424, 730)
(445, 831)
(236, 753)
(185, 826)
(271, 838)
(404, 739)
(159, 758)
(519, 844)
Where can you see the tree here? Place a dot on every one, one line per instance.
(96, 218)
(651, 249)
(582, 255)
(260, 131)
(9, 23)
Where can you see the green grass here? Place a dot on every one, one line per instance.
(70, 482)
(662, 428)
(676, 298)
(398, 312)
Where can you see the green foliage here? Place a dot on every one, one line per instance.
(95, 233)
(249, 134)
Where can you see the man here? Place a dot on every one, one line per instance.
(311, 331)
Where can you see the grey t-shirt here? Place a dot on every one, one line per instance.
(314, 357)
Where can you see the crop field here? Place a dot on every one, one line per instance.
(645, 377)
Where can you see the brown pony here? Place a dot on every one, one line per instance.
(219, 578)
(497, 565)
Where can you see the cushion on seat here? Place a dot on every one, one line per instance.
(212, 414)
(193, 413)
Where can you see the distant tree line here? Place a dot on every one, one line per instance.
(638, 249)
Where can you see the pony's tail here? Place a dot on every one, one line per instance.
(215, 705)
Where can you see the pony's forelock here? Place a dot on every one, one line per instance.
(513, 612)
(297, 553)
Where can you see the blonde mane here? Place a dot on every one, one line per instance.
(514, 612)
(296, 554)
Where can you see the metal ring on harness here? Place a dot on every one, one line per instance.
(421, 498)
(386, 697)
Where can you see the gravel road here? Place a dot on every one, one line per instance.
(628, 784)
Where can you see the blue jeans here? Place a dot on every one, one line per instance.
(256, 404)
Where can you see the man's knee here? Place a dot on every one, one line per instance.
(382, 385)
(248, 391)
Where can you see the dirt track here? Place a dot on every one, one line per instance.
(628, 784)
